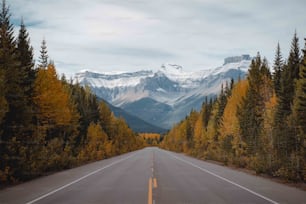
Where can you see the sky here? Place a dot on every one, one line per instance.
(131, 35)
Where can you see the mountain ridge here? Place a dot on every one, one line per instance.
(170, 89)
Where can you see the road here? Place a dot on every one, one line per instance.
(151, 175)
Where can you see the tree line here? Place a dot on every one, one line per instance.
(257, 123)
(48, 123)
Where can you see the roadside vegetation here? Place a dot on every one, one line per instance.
(257, 123)
(48, 123)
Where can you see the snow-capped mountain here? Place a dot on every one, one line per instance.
(165, 96)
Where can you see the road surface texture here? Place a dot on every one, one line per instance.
(151, 175)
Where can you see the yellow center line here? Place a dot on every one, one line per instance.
(150, 199)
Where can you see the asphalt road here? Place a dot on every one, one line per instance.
(151, 176)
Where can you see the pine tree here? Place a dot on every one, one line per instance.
(299, 116)
(222, 100)
(206, 109)
(43, 58)
(300, 96)
(278, 68)
(251, 111)
(25, 56)
(294, 57)
(289, 76)
(284, 133)
(87, 107)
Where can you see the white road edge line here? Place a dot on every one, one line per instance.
(224, 179)
(79, 179)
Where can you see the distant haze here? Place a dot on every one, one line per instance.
(129, 35)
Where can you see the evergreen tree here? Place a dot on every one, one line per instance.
(222, 100)
(26, 68)
(288, 78)
(43, 58)
(300, 96)
(294, 57)
(299, 116)
(3, 102)
(25, 56)
(13, 123)
(87, 106)
(206, 109)
(278, 68)
(284, 133)
(251, 111)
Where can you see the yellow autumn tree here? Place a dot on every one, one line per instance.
(51, 99)
(230, 132)
(95, 145)
(54, 115)
(200, 139)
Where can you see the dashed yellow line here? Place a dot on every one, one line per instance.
(155, 183)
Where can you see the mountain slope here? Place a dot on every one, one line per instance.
(135, 123)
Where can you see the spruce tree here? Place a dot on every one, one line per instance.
(26, 68)
(250, 112)
(285, 135)
(43, 58)
(294, 57)
(206, 109)
(289, 76)
(300, 96)
(299, 118)
(25, 56)
(278, 68)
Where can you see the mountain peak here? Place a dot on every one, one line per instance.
(235, 59)
(167, 67)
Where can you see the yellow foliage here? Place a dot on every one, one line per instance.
(230, 125)
(96, 142)
(150, 136)
(230, 121)
(51, 99)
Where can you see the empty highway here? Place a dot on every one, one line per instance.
(151, 175)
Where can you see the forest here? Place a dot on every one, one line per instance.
(48, 123)
(258, 123)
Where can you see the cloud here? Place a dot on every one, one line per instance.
(137, 34)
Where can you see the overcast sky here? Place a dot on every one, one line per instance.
(129, 35)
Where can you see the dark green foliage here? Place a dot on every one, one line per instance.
(87, 106)
(278, 68)
(206, 109)
(294, 57)
(43, 58)
(300, 97)
(288, 79)
(14, 95)
(251, 112)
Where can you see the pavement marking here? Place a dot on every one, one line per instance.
(155, 183)
(79, 179)
(224, 179)
(150, 195)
